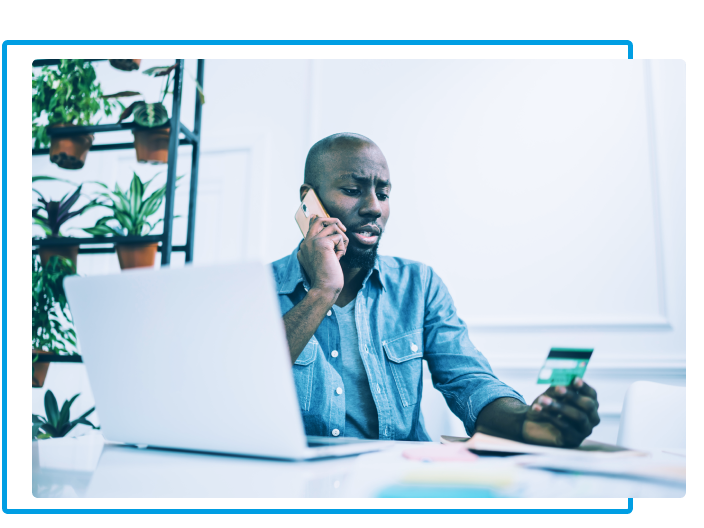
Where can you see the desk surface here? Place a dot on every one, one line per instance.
(88, 467)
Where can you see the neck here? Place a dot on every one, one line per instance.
(353, 283)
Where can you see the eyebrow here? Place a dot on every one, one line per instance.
(363, 179)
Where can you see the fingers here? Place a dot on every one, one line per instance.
(341, 242)
(569, 415)
(583, 388)
(318, 223)
(580, 395)
(565, 434)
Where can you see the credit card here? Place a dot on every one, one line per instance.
(564, 365)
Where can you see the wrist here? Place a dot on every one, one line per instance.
(324, 297)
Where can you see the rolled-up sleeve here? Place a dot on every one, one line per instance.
(459, 371)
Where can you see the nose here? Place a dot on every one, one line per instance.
(371, 206)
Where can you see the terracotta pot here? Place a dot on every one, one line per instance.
(39, 370)
(69, 152)
(69, 252)
(136, 255)
(152, 144)
(125, 64)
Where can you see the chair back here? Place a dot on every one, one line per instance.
(653, 417)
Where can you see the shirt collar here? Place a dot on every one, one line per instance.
(293, 274)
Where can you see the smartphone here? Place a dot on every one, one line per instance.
(563, 365)
(309, 207)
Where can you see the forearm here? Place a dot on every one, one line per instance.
(303, 320)
(503, 417)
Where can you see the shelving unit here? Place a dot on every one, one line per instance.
(178, 129)
(190, 137)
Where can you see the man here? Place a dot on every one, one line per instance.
(359, 325)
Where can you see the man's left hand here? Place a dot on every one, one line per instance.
(562, 416)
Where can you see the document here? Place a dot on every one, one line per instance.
(484, 443)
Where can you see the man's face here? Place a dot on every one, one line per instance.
(355, 188)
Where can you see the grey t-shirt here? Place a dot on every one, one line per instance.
(361, 418)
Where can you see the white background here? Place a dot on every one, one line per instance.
(549, 195)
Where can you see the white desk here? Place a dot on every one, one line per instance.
(87, 467)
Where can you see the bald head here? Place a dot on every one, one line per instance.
(329, 148)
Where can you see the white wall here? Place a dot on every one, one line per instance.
(549, 195)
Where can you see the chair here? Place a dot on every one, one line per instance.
(653, 417)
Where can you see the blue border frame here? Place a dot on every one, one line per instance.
(7, 43)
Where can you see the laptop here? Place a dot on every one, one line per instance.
(195, 358)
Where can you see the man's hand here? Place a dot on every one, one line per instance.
(562, 416)
(320, 253)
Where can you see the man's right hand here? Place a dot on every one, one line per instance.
(320, 254)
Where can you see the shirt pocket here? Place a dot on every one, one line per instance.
(303, 373)
(405, 355)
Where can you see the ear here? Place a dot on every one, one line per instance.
(304, 190)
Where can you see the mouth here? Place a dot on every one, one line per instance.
(367, 235)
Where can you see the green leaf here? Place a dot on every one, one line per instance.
(136, 191)
(51, 178)
(128, 111)
(99, 231)
(66, 410)
(125, 221)
(51, 408)
(49, 429)
(151, 205)
(201, 95)
(121, 94)
(159, 71)
(43, 436)
(151, 115)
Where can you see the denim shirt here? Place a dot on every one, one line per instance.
(404, 314)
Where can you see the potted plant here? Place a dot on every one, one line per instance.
(52, 325)
(131, 211)
(57, 423)
(125, 64)
(69, 95)
(50, 215)
(151, 137)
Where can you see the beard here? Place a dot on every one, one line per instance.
(360, 257)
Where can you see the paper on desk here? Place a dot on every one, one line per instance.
(640, 468)
(494, 444)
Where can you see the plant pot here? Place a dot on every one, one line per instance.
(69, 152)
(69, 252)
(152, 144)
(125, 64)
(39, 370)
(136, 255)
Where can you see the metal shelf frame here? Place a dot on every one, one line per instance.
(190, 137)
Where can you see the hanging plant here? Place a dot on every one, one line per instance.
(67, 95)
(151, 138)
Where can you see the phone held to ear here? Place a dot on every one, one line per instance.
(310, 206)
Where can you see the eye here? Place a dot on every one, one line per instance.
(351, 192)
(383, 197)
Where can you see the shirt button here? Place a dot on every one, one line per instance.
(414, 347)
(334, 353)
(336, 432)
(329, 313)
(338, 390)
